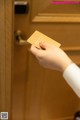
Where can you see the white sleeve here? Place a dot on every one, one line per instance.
(72, 77)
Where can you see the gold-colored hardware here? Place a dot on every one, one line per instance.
(20, 38)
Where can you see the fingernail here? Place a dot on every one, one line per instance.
(41, 42)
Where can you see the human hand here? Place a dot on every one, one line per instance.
(50, 56)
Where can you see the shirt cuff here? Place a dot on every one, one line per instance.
(72, 77)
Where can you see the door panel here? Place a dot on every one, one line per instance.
(40, 93)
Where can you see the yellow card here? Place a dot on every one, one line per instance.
(37, 37)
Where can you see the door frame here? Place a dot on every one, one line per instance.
(6, 54)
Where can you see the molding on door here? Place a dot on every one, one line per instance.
(68, 18)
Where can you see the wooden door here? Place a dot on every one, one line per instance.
(6, 55)
(38, 93)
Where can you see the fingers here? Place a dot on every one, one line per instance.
(45, 45)
(38, 53)
(34, 50)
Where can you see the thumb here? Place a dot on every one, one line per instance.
(45, 45)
